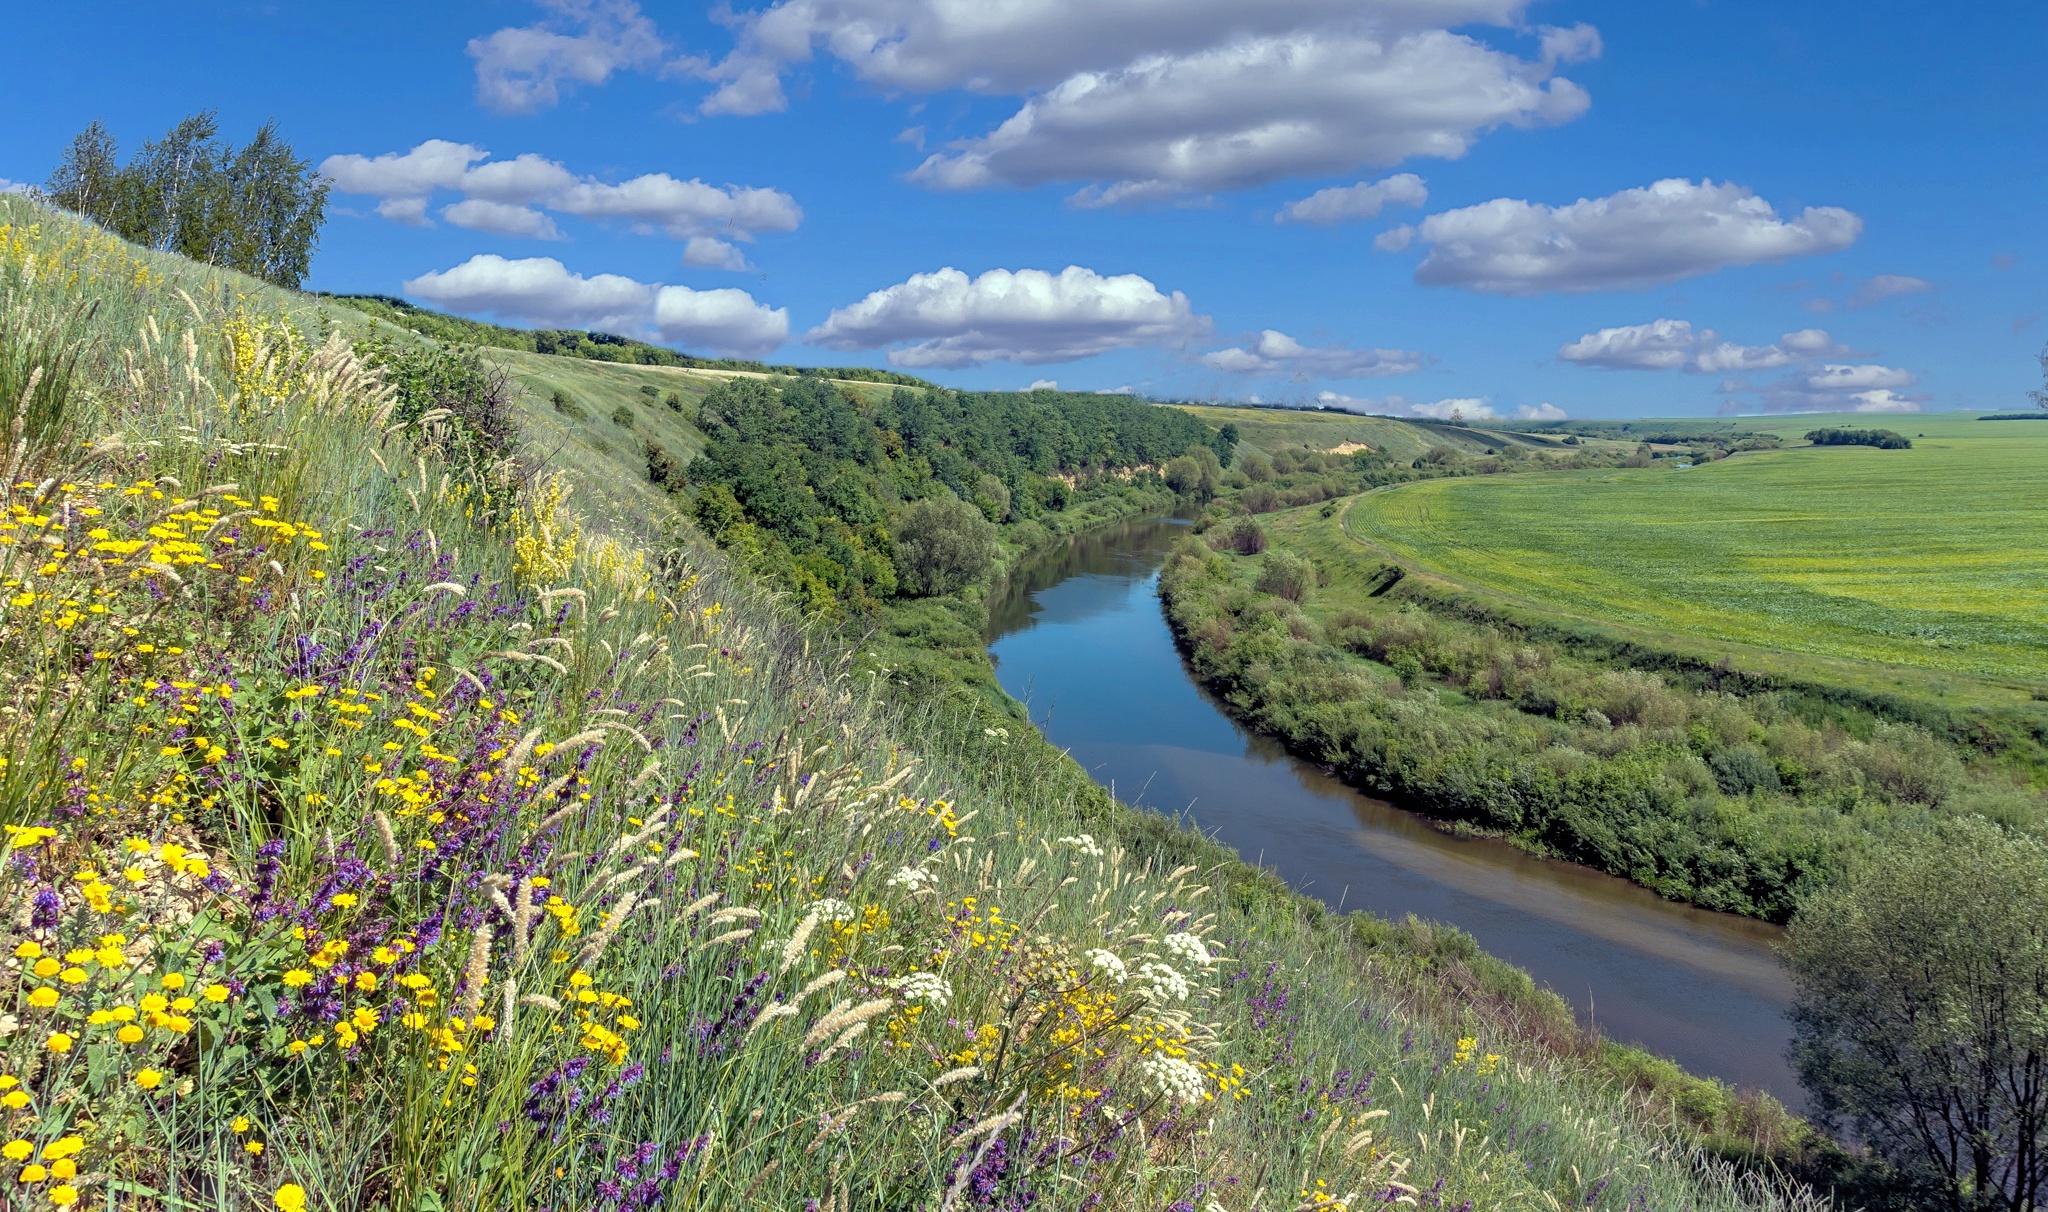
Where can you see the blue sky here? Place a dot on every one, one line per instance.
(1604, 209)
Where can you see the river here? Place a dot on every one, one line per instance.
(1078, 637)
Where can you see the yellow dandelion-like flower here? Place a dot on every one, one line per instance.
(297, 978)
(290, 1198)
(59, 1042)
(149, 1079)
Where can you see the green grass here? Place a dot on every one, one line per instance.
(1926, 559)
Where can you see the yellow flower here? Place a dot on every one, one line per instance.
(28, 950)
(63, 1146)
(290, 1198)
(16, 1150)
(254, 1148)
(344, 900)
(59, 1042)
(43, 999)
(64, 1169)
(366, 981)
(32, 1174)
(14, 1100)
(130, 1034)
(149, 1079)
(154, 1003)
(241, 1123)
(215, 993)
(298, 978)
(72, 976)
(47, 967)
(174, 980)
(64, 1195)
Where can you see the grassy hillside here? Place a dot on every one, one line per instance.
(1923, 558)
(1270, 430)
(384, 841)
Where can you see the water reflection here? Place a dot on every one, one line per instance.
(1078, 636)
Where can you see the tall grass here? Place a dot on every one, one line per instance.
(367, 858)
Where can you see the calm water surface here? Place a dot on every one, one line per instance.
(1078, 636)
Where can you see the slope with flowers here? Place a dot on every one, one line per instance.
(378, 837)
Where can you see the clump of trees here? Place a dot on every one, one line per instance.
(1922, 1013)
(942, 545)
(815, 485)
(257, 208)
(1883, 439)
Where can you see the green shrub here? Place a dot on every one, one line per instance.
(1286, 575)
(567, 406)
(622, 416)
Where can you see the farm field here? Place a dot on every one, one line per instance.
(1928, 558)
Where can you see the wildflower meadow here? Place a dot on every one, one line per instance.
(382, 834)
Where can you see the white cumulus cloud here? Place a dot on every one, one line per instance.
(709, 252)
(511, 198)
(1833, 387)
(542, 291)
(524, 69)
(501, 219)
(728, 321)
(1539, 412)
(1257, 110)
(1150, 98)
(946, 319)
(1044, 385)
(1636, 238)
(1276, 354)
(1352, 203)
(1470, 409)
(1674, 345)
(434, 165)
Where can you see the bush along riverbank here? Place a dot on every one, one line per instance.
(1733, 803)
(383, 835)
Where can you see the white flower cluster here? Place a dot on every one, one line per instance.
(1188, 948)
(927, 987)
(1085, 843)
(913, 878)
(1108, 964)
(1160, 983)
(1171, 1078)
(831, 909)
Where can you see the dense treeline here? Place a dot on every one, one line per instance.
(257, 208)
(590, 346)
(820, 488)
(1883, 439)
(1733, 803)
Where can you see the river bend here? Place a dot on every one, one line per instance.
(1079, 637)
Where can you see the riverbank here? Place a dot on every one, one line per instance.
(1741, 803)
(1079, 637)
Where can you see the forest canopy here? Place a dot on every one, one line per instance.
(812, 482)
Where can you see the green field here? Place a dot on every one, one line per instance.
(1929, 558)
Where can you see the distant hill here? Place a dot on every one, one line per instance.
(591, 346)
